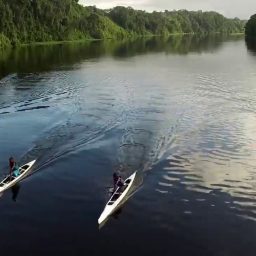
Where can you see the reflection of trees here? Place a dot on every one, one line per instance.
(251, 45)
(51, 57)
(174, 44)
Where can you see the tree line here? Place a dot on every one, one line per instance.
(26, 21)
(250, 33)
(250, 28)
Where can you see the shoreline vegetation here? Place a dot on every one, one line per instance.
(250, 28)
(95, 40)
(42, 22)
(250, 34)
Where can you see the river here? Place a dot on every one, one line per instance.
(180, 110)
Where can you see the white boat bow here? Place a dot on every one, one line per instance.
(116, 199)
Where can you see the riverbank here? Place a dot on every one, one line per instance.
(88, 40)
(65, 21)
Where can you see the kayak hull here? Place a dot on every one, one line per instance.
(116, 199)
(8, 181)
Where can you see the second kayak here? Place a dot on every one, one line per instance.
(9, 181)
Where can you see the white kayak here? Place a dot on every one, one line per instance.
(116, 199)
(8, 181)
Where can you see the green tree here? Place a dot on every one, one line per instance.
(4, 42)
(25, 21)
(250, 28)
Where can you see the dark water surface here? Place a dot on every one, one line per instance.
(181, 111)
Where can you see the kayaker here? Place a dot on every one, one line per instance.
(14, 168)
(120, 181)
(115, 179)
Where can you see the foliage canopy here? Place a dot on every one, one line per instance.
(26, 21)
(250, 28)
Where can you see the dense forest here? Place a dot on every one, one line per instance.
(250, 28)
(250, 32)
(26, 21)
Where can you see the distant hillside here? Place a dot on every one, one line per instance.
(250, 28)
(26, 21)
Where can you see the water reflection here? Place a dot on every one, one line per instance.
(33, 59)
(15, 191)
(251, 45)
(216, 160)
(116, 215)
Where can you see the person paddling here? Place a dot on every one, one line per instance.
(120, 181)
(14, 168)
(115, 179)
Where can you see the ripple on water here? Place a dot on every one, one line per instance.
(214, 158)
(203, 122)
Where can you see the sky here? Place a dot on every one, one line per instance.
(230, 8)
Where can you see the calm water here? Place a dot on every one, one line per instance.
(182, 111)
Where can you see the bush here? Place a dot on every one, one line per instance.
(4, 42)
